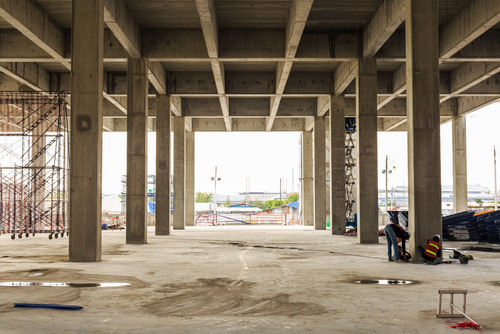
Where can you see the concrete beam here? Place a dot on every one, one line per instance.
(343, 75)
(122, 23)
(35, 23)
(324, 105)
(472, 21)
(382, 25)
(29, 74)
(299, 12)
(208, 20)
(484, 48)
(469, 75)
(472, 103)
(176, 105)
(158, 77)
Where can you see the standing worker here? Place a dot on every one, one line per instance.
(392, 233)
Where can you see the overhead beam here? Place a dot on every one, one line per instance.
(323, 105)
(122, 23)
(382, 25)
(35, 23)
(476, 18)
(469, 104)
(29, 74)
(343, 75)
(157, 76)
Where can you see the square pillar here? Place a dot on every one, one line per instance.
(137, 150)
(459, 164)
(163, 173)
(422, 103)
(190, 141)
(366, 123)
(307, 179)
(85, 206)
(319, 173)
(337, 165)
(179, 172)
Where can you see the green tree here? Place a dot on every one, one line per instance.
(227, 202)
(273, 203)
(203, 197)
(292, 198)
(259, 204)
(479, 201)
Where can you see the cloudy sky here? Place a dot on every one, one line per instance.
(267, 157)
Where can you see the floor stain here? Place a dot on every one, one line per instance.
(223, 296)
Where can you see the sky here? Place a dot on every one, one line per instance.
(267, 157)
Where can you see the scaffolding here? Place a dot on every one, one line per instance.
(349, 179)
(33, 164)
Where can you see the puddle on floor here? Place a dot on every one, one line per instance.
(72, 285)
(382, 281)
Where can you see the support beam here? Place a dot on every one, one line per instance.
(382, 25)
(474, 19)
(29, 74)
(469, 104)
(158, 77)
(337, 165)
(137, 151)
(176, 105)
(85, 206)
(190, 164)
(122, 23)
(35, 23)
(459, 163)
(343, 75)
(324, 105)
(179, 172)
(424, 166)
(319, 173)
(307, 204)
(366, 123)
(163, 173)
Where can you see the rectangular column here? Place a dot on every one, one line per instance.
(307, 179)
(190, 216)
(337, 165)
(179, 172)
(319, 173)
(424, 165)
(459, 164)
(137, 150)
(86, 131)
(366, 123)
(163, 173)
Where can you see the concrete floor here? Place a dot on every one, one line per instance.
(197, 281)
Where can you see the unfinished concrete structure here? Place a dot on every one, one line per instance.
(397, 65)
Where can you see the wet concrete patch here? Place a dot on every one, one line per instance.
(383, 281)
(223, 296)
(57, 284)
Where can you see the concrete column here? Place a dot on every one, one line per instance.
(137, 151)
(337, 165)
(424, 165)
(459, 164)
(307, 179)
(319, 173)
(190, 217)
(163, 173)
(179, 172)
(86, 131)
(366, 123)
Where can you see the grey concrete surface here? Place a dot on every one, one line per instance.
(459, 139)
(179, 173)
(218, 280)
(307, 178)
(319, 173)
(163, 164)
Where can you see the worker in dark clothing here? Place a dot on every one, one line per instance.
(432, 250)
(392, 233)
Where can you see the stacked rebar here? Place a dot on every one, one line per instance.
(33, 163)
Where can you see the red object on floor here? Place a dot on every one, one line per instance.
(466, 325)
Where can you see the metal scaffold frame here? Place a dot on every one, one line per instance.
(34, 164)
(349, 180)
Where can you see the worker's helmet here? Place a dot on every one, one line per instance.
(436, 237)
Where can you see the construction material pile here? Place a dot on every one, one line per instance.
(483, 226)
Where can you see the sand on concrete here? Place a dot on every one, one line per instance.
(238, 279)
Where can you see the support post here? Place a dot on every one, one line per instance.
(307, 179)
(319, 173)
(366, 123)
(424, 166)
(137, 151)
(190, 141)
(179, 172)
(337, 165)
(86, 130)
(163, 173)
(459, 164)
